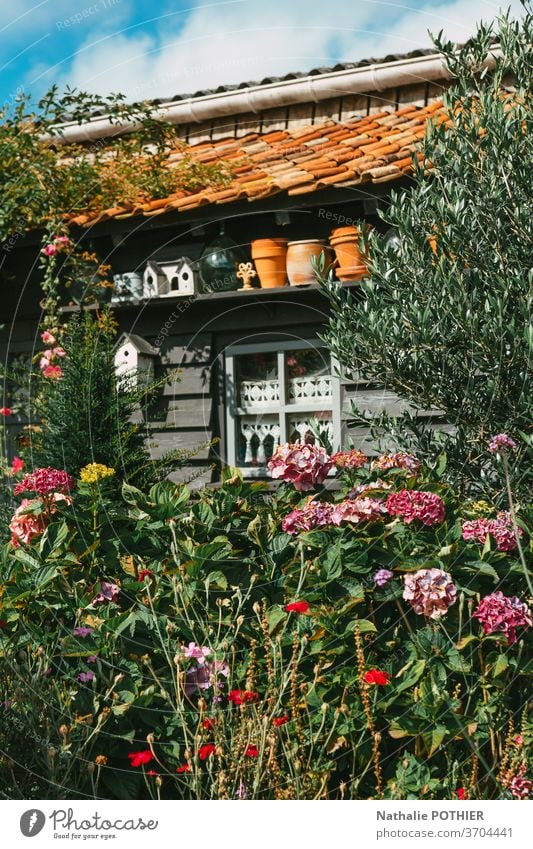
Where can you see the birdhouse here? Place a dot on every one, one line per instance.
(181, 277)
(135, 356)
(155, 282)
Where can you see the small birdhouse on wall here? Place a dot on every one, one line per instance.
(181, 277)
(135, 355)
(155, 282)
(164, 279)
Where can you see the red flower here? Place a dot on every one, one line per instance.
(461, 793)
(5, 411)
(241, 697)
(208, 724)
(297, 607)
(144, 573)
(183, 768)
(252, 752)
(206, 751)
(152, 772)
(17, 465)
(376, 676)
(280, 720)
(139, 758)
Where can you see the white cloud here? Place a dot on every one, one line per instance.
(228, 42)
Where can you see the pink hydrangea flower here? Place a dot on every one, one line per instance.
(358, 510)
(45, 481)
(430, 592)
(499, 613)
(501, 442)
(25, 526)
(400, 460)
(501, 528)
(108, 593)
(315, 514)
(349, 459)
(427, 507)
(301, 464)
(475, 530)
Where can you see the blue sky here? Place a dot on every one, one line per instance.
(157, 49)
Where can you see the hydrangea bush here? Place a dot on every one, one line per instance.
(357, 632)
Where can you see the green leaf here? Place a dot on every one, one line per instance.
(217, 580)
(433, 738)
(413, 676)
(365, 626)
(275, 616)
(500, 666)
(331, 561)
(132, 495)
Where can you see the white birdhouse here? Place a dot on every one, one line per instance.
(135, 355)
(181, 277)
(155, 282)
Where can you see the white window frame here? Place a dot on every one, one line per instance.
(282, 408)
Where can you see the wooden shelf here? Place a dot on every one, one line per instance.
(283, 292)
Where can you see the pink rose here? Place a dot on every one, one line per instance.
(48, 338)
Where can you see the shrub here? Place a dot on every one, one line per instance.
(443, 319)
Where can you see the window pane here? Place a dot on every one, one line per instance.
(309, 375)
(257, 437)
(315, 428)
(257, 379)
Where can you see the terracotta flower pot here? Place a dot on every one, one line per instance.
(345, 241)
(299, 254)
(270, 259)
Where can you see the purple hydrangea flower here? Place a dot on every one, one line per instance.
(382, 577)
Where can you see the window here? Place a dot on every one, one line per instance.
(279, 392)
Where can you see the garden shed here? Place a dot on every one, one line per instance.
(309, 156)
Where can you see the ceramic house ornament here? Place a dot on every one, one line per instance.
(135, 354)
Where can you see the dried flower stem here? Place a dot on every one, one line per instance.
(367, 706)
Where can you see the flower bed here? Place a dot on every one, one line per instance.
(239, 644)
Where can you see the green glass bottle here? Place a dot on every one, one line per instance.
(219, 264)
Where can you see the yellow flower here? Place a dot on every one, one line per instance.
(94, 472)
(481, 508)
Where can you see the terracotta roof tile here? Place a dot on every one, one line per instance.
(374, 148)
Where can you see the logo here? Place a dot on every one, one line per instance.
(32, 822)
